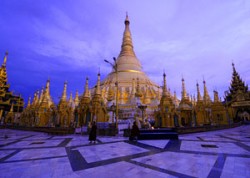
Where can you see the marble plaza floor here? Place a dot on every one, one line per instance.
(224, 153)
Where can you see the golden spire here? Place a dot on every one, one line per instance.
(64, 94)
(206, 96)
(71, 103)
(184, 92)
(164, 91)
(41, 95)
(71, 97)
(216, 97)
(194, 102)
(76, 100)
(47, 101)
(198, 93)
(5, 58)
(86, 91)
(98, 86)
(127, 44)
(47, 89)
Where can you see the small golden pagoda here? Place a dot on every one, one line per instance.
(218, 111)
(98, 108)
(185, 107)
(84, 114)
(64, 112)
(167, 110)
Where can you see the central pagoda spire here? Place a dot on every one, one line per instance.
(127, 44)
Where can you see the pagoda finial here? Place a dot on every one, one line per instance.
(86, 91)
(184, 92)
(206, 96)
(164, 91)
(5, 58)
(64, 94)
(216, 97)
(127, 44)
(47, 92)
(41, 95)
(98, 86)
(175, 96)
(198, 93)
(234, 70)
(37, 97)
(76, 100)
(71, 98)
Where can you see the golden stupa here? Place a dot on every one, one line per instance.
(134, 86)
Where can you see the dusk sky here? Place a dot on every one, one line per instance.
(68, 40)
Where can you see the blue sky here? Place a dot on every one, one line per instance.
(68, 40)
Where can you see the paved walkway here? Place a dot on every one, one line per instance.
(223, 153)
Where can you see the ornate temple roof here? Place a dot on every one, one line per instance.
(237, 88)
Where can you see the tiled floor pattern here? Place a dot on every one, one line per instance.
(224, 153)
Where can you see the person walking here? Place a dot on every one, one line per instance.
(135, 132)
(92, 133)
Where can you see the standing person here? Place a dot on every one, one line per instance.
(92, 133)
(135, 132)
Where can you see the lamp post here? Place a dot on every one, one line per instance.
(114, 66)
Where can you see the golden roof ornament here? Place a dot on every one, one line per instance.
(5, 58)
(199, 98)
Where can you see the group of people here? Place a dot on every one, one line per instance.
(135, 132)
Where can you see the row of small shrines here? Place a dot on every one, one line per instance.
(91, 105)
(81, 110)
